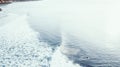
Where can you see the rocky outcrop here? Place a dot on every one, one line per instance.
(5, 1)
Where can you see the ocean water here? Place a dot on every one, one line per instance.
(22, 43)
(62, 33)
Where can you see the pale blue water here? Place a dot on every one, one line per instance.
(30, 33)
